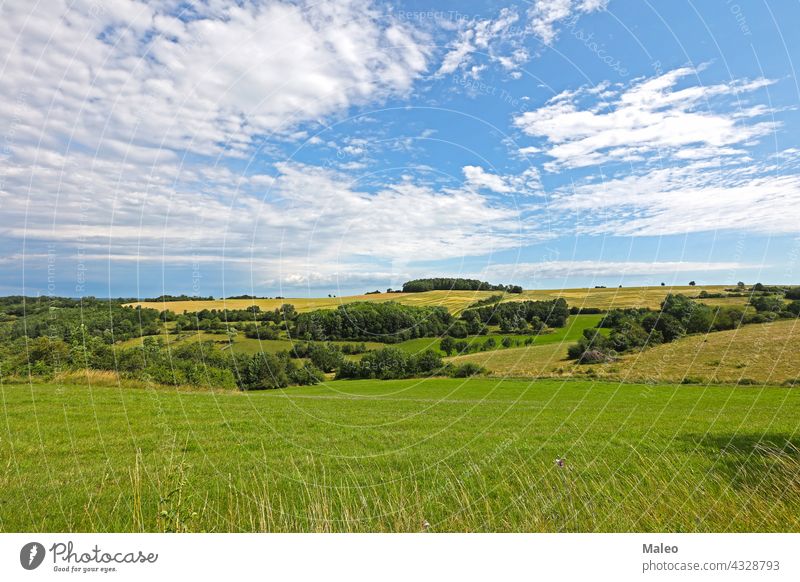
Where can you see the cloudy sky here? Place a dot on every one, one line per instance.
(306, 148)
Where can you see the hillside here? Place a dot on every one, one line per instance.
(456, 301)
(759, 353)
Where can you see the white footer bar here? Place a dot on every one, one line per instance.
(355, 557)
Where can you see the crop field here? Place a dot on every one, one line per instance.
(474, 455)
(456, 301)
(766, 353)
(752, 354)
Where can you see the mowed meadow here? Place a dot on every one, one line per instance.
(349, 456)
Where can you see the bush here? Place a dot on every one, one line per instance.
(447, 345)
(261, 372)
(585, 310)
(391, 363)
(467, 370)
(594, 357)
(770, 303)
(326, 357)
(793, 293)
(306, 375)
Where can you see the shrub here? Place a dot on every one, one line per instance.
(263, 371)
(326, 357)
(793, 293)
(391, 363)
(594, 357)
(769, 303)
(447, 345)
(466, 370)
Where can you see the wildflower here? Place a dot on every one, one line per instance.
(559, 462)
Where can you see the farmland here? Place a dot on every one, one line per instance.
(169, 426)
(456, 301)
(474, 455)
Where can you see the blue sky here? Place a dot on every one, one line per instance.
(314, 148)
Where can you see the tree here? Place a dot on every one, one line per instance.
(263, 371)
(326, 357)
(447, 345)
(692, 283)
(427, 363)
(768, 303)
(793, 293)
(670, 328)
(678, 306)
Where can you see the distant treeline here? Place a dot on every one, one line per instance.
(455, 284)
(167, 298)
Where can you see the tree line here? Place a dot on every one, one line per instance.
(455, 284)
(388, 322)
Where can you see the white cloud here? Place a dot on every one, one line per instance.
(305, 219)
(524, 184)
(648, 117)
(398, 222)
(600, 268)
(545, 15)
(501, 40)
(498, 39)
(125, 72)
(696, 197)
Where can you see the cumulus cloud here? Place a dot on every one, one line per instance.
(126, 73)
(650, 116)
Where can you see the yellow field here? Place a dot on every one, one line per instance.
(765, 353)
(756, 353)
(619, 297)
(455, 301)
(300, 303)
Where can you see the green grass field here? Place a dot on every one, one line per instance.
(476, 455)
